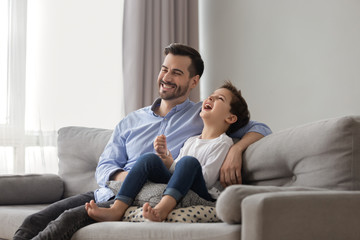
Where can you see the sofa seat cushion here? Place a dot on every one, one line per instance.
(159, 231)
(12, 217)
(322, 154)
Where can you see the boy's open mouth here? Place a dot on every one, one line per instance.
(207, 106)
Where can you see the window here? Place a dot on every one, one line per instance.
(57, 69)
(12, 80)
(3, 61)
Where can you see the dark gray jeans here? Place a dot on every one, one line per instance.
(59, 220)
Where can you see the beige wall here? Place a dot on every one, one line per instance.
(295, 61)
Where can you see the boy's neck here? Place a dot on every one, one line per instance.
(211, 132)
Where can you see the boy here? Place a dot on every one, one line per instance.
(197, 166)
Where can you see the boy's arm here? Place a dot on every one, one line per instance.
(230, 172)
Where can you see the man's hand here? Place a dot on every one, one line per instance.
(119, 176)
(230, 172)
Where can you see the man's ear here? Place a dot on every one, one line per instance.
(194, 81)
(231, 119)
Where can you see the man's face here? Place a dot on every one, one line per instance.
(174, 78)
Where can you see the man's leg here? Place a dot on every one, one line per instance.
(68, 223)
(37, 222)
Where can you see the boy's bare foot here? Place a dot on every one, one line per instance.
(150, 213)
(114, 213)
(160, 212)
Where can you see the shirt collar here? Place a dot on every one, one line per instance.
(177, 108)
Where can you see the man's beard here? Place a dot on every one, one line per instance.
(179, 91)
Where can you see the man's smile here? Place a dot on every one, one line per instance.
(167, 86)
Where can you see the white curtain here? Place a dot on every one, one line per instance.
(64, 69)
(149, 26)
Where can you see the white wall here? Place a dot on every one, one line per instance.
(74, 54)
(295, 61)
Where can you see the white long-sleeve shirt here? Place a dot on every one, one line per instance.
(209, 152)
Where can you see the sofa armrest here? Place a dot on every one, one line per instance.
(229, 203)
(30, 189)
(301, 216)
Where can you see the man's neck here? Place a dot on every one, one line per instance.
(166, 106)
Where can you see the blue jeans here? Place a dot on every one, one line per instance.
(187, 175)
(59, 220)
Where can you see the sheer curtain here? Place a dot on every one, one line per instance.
(13, 52)
(64, 69)
(149, 26)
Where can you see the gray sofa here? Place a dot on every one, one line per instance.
(300, 183)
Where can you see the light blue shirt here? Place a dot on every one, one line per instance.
(135, 134)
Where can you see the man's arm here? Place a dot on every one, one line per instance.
(230, 172)
(112, 160)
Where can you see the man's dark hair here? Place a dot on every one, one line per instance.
(197, 64)
(238, 107)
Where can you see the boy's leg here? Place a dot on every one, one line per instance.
(37, 222)
(147, 167)
(187, 175)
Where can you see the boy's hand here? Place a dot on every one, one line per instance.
(160, 145)
(161, 149)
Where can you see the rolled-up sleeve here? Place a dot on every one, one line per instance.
(252, 126)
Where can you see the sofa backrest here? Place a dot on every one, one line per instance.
(324, 154)
(79, 149)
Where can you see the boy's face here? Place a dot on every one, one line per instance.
(174, 78)
(217, 106)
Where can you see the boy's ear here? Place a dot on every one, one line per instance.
(231, 119)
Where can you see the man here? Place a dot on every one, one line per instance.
(172, 115)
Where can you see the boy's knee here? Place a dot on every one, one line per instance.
(149, 159)
(189, 162)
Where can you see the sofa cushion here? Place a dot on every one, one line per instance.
(229, 203)
(323, 154)
(12, 216)
(158, 231)
(30, 189)
(79, 149)
(193, 214)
